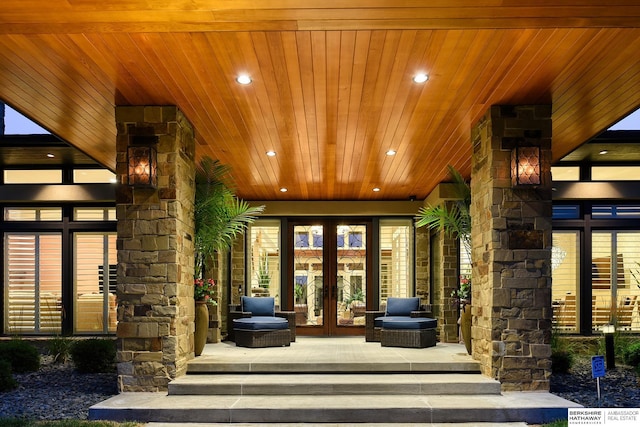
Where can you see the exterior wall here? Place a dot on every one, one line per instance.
(511, 251)
(155, 253)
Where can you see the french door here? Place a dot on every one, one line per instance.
(329, 282)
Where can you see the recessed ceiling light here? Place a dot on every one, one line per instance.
(421, 78)
(283, 190)
(603, 152)
(243, 79)
(391, 153)
(50, 155)
(271, 153)
(376, 189)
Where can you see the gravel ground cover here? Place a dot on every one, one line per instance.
(59, 392)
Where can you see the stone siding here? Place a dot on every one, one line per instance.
(511, 251)
(155, 253)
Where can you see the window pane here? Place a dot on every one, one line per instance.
(396, 259)
(615, 173)
(33, 214)
(40, 176)
(94, 214)
(565, 269)
(95, 270)
(92, 176)
(265, 259)
(565, 173)
(33, 278)
(615, 284)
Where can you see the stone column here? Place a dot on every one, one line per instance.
(155, 252)
(511, 250)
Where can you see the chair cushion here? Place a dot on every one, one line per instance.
(258, 306)
(409, 323)
(260, 323)
(402, 306)
(377, 322)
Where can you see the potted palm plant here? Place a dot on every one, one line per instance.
(219, 217)
(454, 219)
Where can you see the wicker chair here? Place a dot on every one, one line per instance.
(408, 324)
(255, 323)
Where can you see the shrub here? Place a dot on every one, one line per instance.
(22, 356)
(60, 348)
(562, 353)
(631, 354)
(7, 382)
(94, 355)
(561, 361)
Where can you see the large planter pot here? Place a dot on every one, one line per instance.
(202, 327)
(465, 326)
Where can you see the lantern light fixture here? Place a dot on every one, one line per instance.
(142, 161)
(525, 166)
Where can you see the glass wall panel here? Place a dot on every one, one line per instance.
(95, 280)
(33, 283)
(94, 214)
(565, 268)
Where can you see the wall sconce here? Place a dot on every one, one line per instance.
(525, 166)
(142, 160)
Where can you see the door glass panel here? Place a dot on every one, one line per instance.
(565, 269)
(615, 278)
(33, 277)
(95, 273)
(351, 274)
(308, 274)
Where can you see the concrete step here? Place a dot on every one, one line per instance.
(209, 365)
(327, 384)
(528, 407)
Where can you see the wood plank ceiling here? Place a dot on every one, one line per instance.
(332, 88)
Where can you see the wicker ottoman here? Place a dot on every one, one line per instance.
(411, 338)
(263, 338)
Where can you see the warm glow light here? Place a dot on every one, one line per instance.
(420, 78)
(603, 152)
(243, 79)
(142, 166)
(376, 189)
(283, 190)
(271, 153)
(525, 166)
(50, 155)
(391, 153)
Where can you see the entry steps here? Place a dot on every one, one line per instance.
(254, 391)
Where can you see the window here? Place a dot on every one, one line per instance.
(614, 173)
(95, 270)
(565, 173)
(565, 268)
(94, 214)
(93, 176)
(615, 270)
(396, 258)
(39, 176)
(33, 283)
(33, 214)
(265, 258)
